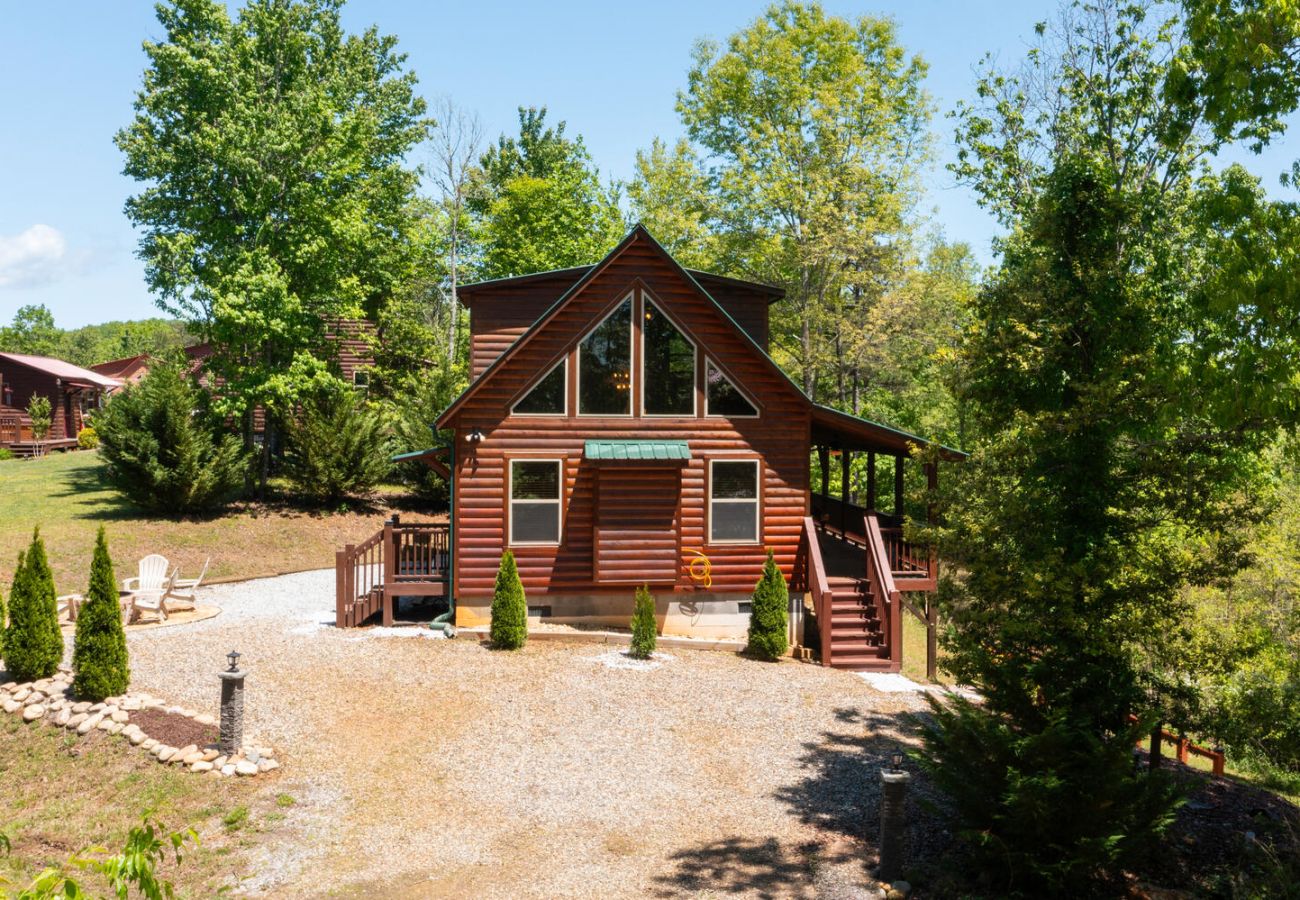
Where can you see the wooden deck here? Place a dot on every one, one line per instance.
(401, 560)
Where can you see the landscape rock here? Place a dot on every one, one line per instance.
(63, 717)
(187, 750)
(112, 727)
(12, 705)
(191, 758)
(245, 768)
(209, 755)
(899, 890)
(81, 707)
(164, 753)
(137, 737)
(267, 765)
(228, 769)
(106, 724)
(76, 719)
(252, 755)
(219, 762)
(201, 766)
(206, 719)
(119, 716)
(150, 744)
(34, 697)
(22, 693)
(90, 723)
(33, 712)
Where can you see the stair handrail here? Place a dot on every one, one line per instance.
(818, 586)
(881, 578)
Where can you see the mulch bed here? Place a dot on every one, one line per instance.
(174, 730)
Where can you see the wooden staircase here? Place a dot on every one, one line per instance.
(857, 636)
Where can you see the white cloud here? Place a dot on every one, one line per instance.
(33, 257)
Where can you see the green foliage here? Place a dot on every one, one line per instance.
(509, 628)
(135, 867)
(6, 453)
(267, 212)
(33, 644)
(1043, 810)
(87, 438)
(815, 128)
(670, 196)
(338, 446)
(537, 203)
(644, 627)
(414, 414)
(100, 663)
(160, 450)
(33, 331)
(768, 623)
(39, 412)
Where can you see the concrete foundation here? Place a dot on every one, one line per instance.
(700, 615)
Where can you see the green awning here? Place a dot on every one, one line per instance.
(646, 451)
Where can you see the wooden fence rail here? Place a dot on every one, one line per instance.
(1184, 748)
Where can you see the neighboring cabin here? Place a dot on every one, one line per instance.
(73, 392)
(626, 426)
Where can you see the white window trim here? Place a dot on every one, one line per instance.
(631, 373)
(708, 361)
(695, 362)
(511, 501)
(757, 501)
(564, 361)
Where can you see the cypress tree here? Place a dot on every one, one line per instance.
(99, 657)
(33, 642)
(644, 627)
(767, 616)
(509, 629)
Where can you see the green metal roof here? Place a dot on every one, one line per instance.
(637, 450)
(416, 454)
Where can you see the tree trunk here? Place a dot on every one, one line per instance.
(452, 318)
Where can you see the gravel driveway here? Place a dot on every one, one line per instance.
(428, 767)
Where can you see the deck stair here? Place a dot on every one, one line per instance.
(857, 636)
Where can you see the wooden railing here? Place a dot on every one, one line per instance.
(881, 578)
(1184, 748)
(810, 577)
(913, 565)
(399, 560)
(11, 429)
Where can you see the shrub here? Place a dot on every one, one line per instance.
(768, 614)
(99, 657)
(33, 642)
(87, 438)
(509, 629)
(41, 416)
(337, 447)
(6, 453)
(1043, 810)
(159, 450)
(644, 626)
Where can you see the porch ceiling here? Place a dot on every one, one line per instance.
(832, 428)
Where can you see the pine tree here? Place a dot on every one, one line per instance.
(767, 616)
(644, 627)
(509, 629)
(99, 656)
(33, 642)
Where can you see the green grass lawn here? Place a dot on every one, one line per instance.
(61, 794)
(914, 651)
(65, 495)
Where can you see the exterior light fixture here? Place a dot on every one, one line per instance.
(475, 436)
(233, 656)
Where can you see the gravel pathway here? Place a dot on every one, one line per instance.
(440, 768)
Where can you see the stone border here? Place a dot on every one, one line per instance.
(51, 700)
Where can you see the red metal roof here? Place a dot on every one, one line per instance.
(60, 369)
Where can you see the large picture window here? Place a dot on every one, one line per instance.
(535, 490)
(733, 501)
(668, 381)
(547, 396)
(605, 366)
(723, 398)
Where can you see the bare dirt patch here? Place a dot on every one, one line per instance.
(174, 730)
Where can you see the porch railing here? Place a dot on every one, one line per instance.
(399, 560)
(810, 578)
(889, 600)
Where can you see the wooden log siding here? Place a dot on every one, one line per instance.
(778, 437)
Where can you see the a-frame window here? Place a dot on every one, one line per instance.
(549, 396)
(605, 365)
(723, 398)
(667, 366)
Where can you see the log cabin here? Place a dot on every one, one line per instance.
(625, 425)
(73, 392)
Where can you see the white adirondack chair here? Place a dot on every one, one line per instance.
(153, 572)
(182, 594)
(152, 601)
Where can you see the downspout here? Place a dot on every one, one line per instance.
(446, 622)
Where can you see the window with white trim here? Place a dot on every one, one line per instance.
(535, 490)
(547, 397)
(722, 397)
(733, 501)
(605, 365)
(667, 366)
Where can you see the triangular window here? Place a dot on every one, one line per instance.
(724, 398)
(547, 397)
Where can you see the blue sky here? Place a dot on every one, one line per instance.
(611, 71)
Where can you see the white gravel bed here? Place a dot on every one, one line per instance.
(442, 768)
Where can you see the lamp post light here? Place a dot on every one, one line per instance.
(232, 706)
(894, 782)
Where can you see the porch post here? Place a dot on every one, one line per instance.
(824, 460)
(871, 480)
(898, 485)
(845, 464)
